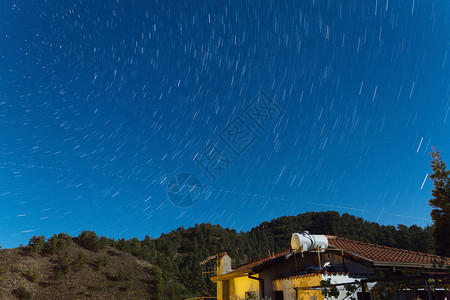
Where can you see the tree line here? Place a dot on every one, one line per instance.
(176, 256)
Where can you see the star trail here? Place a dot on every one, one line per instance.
(272, 108)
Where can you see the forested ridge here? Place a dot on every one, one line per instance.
(177, 254)
(168, 267)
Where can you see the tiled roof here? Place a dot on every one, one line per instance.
(377, 253)
(367, 251)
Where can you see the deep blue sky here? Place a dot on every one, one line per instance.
(103, 102)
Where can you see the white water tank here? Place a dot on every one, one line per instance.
(305, 242)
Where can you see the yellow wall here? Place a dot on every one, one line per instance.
(287, 286)
(309, 281)
(238, 287)
(244, 284)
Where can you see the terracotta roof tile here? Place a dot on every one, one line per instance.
(373, 252)
(379, 253)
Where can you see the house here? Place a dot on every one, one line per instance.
(297, 272)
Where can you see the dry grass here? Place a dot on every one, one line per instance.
(58, 276)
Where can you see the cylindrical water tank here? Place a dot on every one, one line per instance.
(305, 242)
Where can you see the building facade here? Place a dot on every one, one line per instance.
(294, 274)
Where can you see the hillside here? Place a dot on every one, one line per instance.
(74, 273)
(168, 267)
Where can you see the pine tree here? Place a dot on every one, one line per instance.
(441, 204)
(37, 244)
(158, 274)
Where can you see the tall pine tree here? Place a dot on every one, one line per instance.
(441, 204)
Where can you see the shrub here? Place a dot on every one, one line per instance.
(65, 257)
(66, 237)
(57, 243)
(251, 296)
(80, 261)
(61, 243)
(2, 270)
(59, 275)
(123, 245)
(103, 242)
(68, 269)
(158, 274)
(33, 275)
(37, 243)
(128, 285)
(23, 294)
(102, 262)
(120, 275)
(134, 246)
(89, 240)
(29, 273)
(50, 246)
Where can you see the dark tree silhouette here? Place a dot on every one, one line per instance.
(441, 204)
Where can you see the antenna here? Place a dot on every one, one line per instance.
(210, 269)
(208, 259)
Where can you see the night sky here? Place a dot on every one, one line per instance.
(262, 108)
